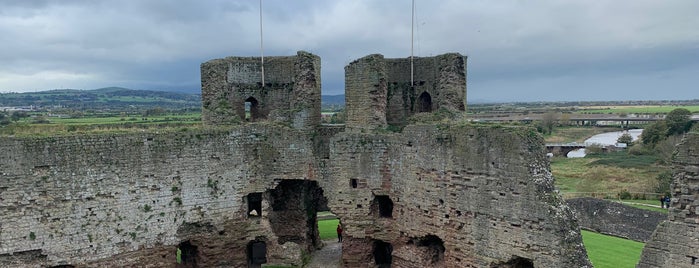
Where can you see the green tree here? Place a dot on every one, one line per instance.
(654, 133)
(16, 116)
(664, 180)
(4, 120)
(625, 138)
(678, 121)
(548, 121)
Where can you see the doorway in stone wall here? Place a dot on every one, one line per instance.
(298, 209)
(252, 110)
(424, 103)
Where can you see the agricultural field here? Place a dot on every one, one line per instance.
(635, 109)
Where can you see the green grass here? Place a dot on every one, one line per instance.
(609, 251)
(624, 160)
(608, 173)
(326, 229)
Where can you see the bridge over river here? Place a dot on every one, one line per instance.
(562, 149)
(577, 119)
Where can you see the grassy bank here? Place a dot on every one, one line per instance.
(608, 173)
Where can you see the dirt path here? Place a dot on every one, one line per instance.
(328, 256)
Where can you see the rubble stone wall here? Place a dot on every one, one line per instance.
(379, 90)
(132, 198)
(291, 93)
(612, 218)
(675, 242)
(485, 192)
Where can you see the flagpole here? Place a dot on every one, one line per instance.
(262, 53)
(412, 29)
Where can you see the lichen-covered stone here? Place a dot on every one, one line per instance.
(675, 242)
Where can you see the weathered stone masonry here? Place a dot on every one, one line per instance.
(445, 195)
(485, 194)
(82, 199)
(675, 242)
(378, 90)
(291, 93)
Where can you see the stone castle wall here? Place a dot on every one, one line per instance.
(379, 91)
(291, 93)
(447, 195)
(613, 218)
(675, 242)
(85, 198)
(461, 196)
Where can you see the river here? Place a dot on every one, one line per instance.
(604, 139)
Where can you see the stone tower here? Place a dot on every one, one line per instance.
(379, 92)
(232, 90)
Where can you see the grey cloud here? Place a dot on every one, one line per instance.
(512, 45)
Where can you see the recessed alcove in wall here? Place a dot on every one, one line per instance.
(515, 262)
(254, 201)
(188, 254)
(434, 248)
(382, 252)
(382, 206)
(252, 110)
(424, 103)
(256, 253)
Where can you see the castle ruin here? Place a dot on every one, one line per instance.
(245, 189)
(675, 242)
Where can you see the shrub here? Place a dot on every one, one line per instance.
(624, 194)
(594, 149)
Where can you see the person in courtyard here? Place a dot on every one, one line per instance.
(662, 201)
(667, 201)
(339, 233)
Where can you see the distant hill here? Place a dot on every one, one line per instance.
(118, 98)
(333, 99)
(110, 98)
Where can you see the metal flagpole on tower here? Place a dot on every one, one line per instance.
(412, 29)
(262, 52)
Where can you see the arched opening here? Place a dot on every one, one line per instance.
(382, 206)
(434, 248)
(382, 252)
(257, 253)
(424, 103)
(515, 262)
(187, 254)
(252, 110)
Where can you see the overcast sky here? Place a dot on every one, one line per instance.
(540, 50)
